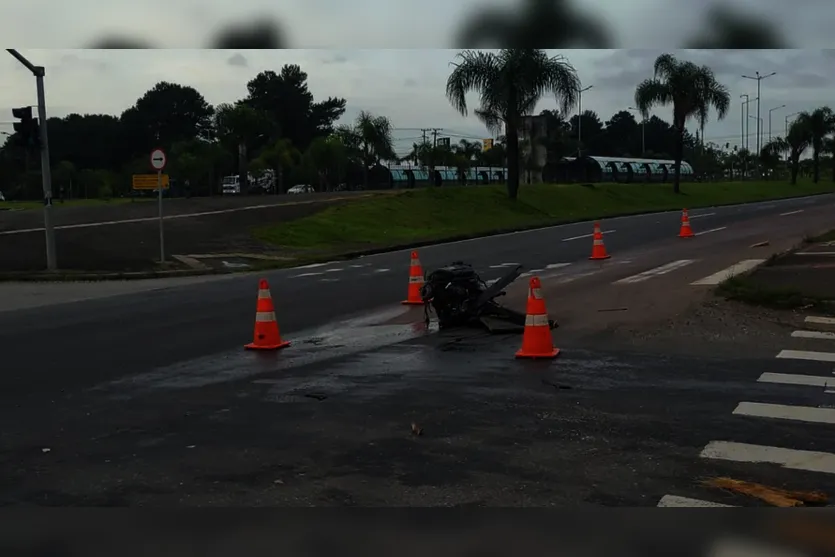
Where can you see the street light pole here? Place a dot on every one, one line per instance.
(46, 175)
(769, 118)
(742, 120)
(758, 79)
(643, 132)
(580, 120)
(787, 122)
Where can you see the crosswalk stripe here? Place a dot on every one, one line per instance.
(823, 335)
(676, 501)
(731, 271)
(807, 355)
(820, 320)
(657, 271)
(793, 379)
(809, 461)
(784, 412)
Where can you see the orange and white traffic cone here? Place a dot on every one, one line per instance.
(267, 335)
(686, 231)
(536, 340)
(415, 282)
(598, 250)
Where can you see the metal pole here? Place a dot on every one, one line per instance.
(758, 116)
(46, 173)
(580, 124)
(643, 138)
(742, 125)
(161, 233)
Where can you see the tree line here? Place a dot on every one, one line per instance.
(279, 126)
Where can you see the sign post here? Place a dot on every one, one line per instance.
(158, 161)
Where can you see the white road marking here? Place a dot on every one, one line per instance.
(308, 275)
(557, 266)
(703, 232)
(491, 282)
(657, 271)
(382, 270)
(587, 236)
(784, 412)
(676, 501)
(337, 270)
(810, 461)
(794, 379)
(314, 265)
(329, 280)
(572, 278)
(702, 215)
(172, 217)
(807, 355)
(816, 253)
(823, 335)
(503, 265)
(730, 547)
(820, 320)
(791, 213)
(359, 266)
(725, 274)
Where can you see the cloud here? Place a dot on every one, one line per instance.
(409, 82)
(238, 60)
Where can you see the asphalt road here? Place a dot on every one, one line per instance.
(132, 333)
(147, 398)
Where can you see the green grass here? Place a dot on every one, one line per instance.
(21, 205)
(438, 213)
(827, 237)
(748, 291)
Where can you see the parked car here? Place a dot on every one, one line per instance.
(301, 188)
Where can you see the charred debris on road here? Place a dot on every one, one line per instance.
(461, 298)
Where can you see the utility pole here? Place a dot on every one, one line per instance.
(742, 119)
(46, 172)
(435, 132)
(758, 79)
(580, 120)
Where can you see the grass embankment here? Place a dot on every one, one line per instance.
(748, 291)
(433, 214)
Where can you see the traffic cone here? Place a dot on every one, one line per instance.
(536, 340)
(686, 231)
(267, 335)
(598, 250)
(415, 282)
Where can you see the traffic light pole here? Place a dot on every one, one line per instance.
(46, 173)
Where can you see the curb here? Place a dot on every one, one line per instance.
(81, 276)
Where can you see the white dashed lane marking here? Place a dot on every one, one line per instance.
(657, 271)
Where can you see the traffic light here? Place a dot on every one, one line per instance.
(27, 128)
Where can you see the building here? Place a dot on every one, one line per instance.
(614, 169)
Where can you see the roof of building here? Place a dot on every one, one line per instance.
(602, 161)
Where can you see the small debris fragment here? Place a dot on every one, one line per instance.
(45, 450)
(555, 385)
(279, 482)
(761, 244)
(771, 495)
(316, 396)
(416, 429)
(191, 446)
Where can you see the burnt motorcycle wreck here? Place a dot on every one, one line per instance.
(460, 298)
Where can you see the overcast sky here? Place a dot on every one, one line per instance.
(405, 85)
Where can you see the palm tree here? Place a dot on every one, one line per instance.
(793, 145)
(510, 83)
(819, 123)
(369, 139)
(691, 89)
(281, 156)
(829, 147)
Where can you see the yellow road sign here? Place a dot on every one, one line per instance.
(149, 181)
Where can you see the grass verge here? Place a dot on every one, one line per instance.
(827, 237)
(747, 290)
(435, 214)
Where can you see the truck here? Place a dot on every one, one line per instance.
(263, 184)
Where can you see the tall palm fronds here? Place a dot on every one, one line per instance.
(509, 84)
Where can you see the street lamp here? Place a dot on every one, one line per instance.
(769, 118)
(46, 175)
(643, 132)
(580, 119)
(758, 79)
(743, 118)
(787, 122)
